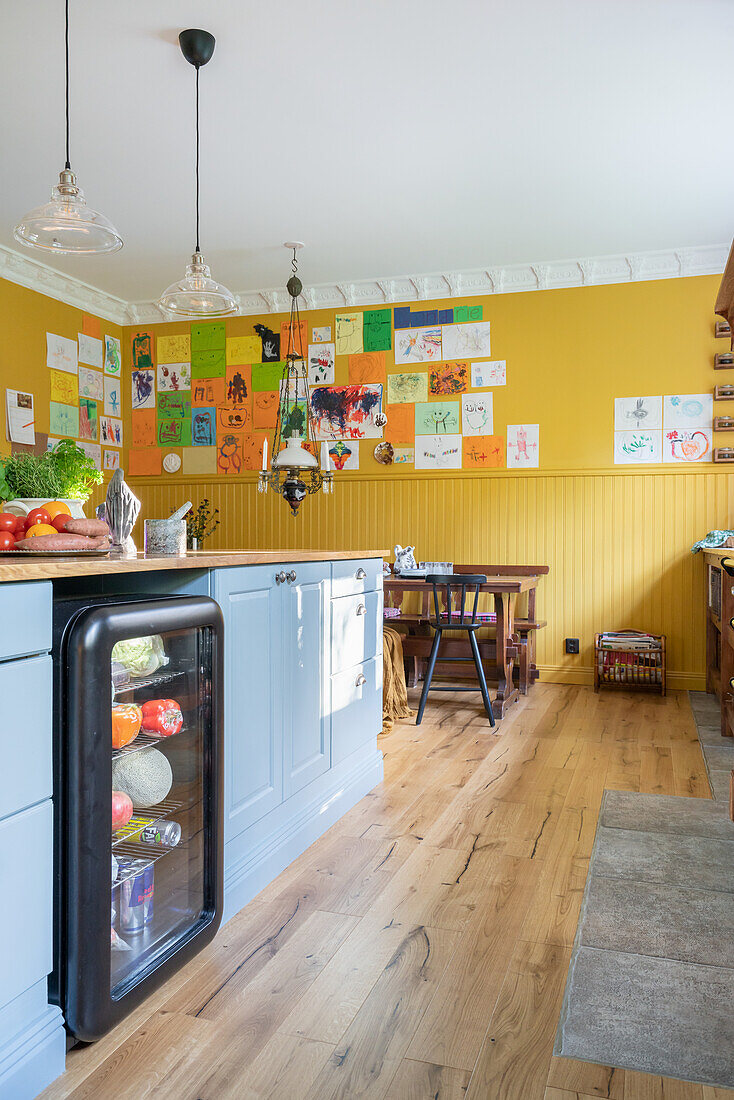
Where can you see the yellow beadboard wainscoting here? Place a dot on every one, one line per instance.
(618, 544)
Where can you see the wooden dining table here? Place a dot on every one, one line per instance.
(505, 591)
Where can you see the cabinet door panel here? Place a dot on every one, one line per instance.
(356, 708)
(305, 655)
(26, 922)
(356, 629)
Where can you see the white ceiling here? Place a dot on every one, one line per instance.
(391, 136)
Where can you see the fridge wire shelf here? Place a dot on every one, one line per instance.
(167, 808)
(152, 681)
(139, 852)
(145, 741)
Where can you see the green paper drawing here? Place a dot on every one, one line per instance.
(377, 331)
(475, 313)
(437, 418)
(63, 420)
(461, 313)
(175, 404)
(170, 433)
(208, 363)
(207, 337)
(266, 376)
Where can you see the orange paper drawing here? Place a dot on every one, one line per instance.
(235, 420)
(481, 451)
(446, 379)
(400, 427)
(298, 345)
(208, 392)
(91, 326)
(238, 390)
(265, 409)
(366, 367)
(144, 428)
(145, 463)
(229, 452)
(252, 450)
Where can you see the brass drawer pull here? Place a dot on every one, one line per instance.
(360, 574)
(361, 679)
(361, 610)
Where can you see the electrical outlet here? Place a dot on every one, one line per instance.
(572, 645)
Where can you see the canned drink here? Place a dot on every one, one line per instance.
(151, 830)
(136, 900)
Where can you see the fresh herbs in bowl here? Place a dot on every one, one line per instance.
(65, 471)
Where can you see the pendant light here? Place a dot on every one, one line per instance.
(294, 471)
(197, 294)
(66, 225)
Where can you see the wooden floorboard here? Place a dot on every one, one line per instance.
(419, 950)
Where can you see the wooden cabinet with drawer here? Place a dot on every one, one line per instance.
(356, 629)
(356, 708)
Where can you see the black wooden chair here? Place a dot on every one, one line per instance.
(459, 619)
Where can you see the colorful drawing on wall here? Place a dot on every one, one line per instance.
(346, 412)
(112, 356)
(269, 344)
(203, 428)
(438, 452)
(348, 330)
(176, 405)
(208, 363)
(481, 452)
(637, 413)
(299, 338)
(91, 350)
(142, 349)
(238, 387)
(523, 445)
(493, 373)
(400, 427)
(198, 461)
(229, 452)
(631, 447)
(404, 456)
(91, 450)
(407, 387)
(690, 410)
(208, 392)
(343, 455)
(207, 335)
(143, 389)
(112, 397)
(477, 416)
(252, 450)
(110, 431)
(171, 433)
(242, 350)
(376, 330)
(687, 446)
(321, 364)
(234, 420)
(448, 378)
(265, 409)
(63, 420)
(64, 386)
(111, 460)
(174, 349)
(418, 345)
(91, 384)
(267, 376)
(61, 353)
(321, 335)
(437, 418)
(174, 376)
(471, 341)
(88, 426)
(144, 427)
(367, 367)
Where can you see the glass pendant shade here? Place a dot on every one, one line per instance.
(294, 454)
(197, 294)
(66, 224)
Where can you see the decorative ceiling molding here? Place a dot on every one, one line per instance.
(555, 275)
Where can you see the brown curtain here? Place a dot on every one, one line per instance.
(394, 689)
(725, 300)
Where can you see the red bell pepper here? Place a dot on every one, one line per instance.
(162, 717)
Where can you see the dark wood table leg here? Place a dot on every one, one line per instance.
(507, 693)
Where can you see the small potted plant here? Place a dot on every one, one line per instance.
(64, 473)
(201, 522)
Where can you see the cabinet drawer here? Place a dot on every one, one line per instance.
(26, 696)
(356, 629)
(26, 872)
(28, 607)
(356, 708)
(349, 578)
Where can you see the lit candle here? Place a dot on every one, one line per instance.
(324, 456)
(265, 453)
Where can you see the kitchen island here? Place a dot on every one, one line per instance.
(302, 710)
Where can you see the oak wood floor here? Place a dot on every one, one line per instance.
(419, 949)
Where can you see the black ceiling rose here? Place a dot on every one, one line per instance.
(197, 46)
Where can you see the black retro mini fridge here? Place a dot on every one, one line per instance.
(138, 799)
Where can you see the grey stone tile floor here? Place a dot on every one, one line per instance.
(651, 981)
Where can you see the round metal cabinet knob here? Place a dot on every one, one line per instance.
(290, 576)
(280, 577)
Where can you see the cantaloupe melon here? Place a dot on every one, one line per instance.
(145, 776)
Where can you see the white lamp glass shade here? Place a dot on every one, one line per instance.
(197, 294)
(294, 455)
(66, 224)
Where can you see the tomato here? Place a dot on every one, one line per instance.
(37, 515)
(7, 540)
(40, 529)
(8, 522)
(56, 508)
(59, 521)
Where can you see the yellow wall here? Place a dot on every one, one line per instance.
(617, 539)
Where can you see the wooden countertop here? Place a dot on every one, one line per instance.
(44, 567)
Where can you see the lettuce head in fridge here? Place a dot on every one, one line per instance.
(140, 656)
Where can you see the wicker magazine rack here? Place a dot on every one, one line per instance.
(633, 667)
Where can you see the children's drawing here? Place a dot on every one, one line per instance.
(208, 363)
(267, 376)
(522, 445)
(407, 387)
(175, 405)
(400, 427)
(239, 386)
(321, 364)
(344, 456)
(477, 416)
(437, 418)
(142, 347)
(321, 335)
(63, 420)
(367, 367)
(64, 387)
(174, 349)
(174, 376)
(269, 344)
(265, 409)
(404, 456)
(110, 431)
(61, 353)
(418, 345)
(111, 460)
(112, 397)
(252, 450)
(242, 350)
(112, 358)
(170, 432)
(229, 453)
(687, 446)
(348, 338)
(377, 327)
(91, 384)
(143, 389)
(208, 392)
(493, 373)
(234, 420)
(448, 378)
(91, 351)
(632, 448)
(144, 428)
(438, 452)
(469, 341)
(88, 426)
(483, 451)
(346, 412)
(203, 428)
(208, 335)
(295, 341)
(637, 413)
(691, 410)
(92, 450)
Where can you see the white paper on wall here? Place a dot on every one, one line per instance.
(632, 448)
(637, 412)
(492, 373)
(688, 410)
(91, 350)
(680, 445)
(438, 452)
(61, 353)
(523, 445)
(466, 341)
(476, 414)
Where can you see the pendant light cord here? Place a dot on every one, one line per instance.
(68, 162)
(197, 157)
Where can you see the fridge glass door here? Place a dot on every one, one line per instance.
(160, 726)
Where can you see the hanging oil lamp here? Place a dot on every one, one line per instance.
(294, 471)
